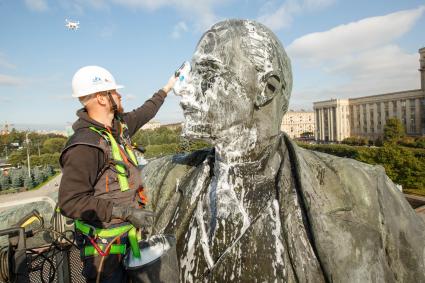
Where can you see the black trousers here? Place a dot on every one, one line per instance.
(112, 269)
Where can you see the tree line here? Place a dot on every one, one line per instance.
(44, 149)
(20, 179)
(166, 141)
(404, 162)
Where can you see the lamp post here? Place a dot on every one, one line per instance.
(28, 154)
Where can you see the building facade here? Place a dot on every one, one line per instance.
(294, 123)
(337, 119)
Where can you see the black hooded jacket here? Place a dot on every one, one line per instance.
(81, 163)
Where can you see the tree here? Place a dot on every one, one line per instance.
(39, 176)
(49, 170)
(29, 182)
(5, 182)
(54, 145)
(17, 158)
(17, 179)
(393, 130)
(307, 135)
(355, 141)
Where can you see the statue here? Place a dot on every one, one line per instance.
(257, 208)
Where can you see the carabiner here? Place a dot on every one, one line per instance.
(98, 249)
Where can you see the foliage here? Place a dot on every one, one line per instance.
(355, 141)
(29, 182)
(5, 182)
(39, 175)
(393, 130)
(164, 141)
(161, 150)
(51, 159)
(17, 178)
(53, 145)
(404, 166)
(417, 142)
(307, 134)
(17, 158)
(15, 141)
(161, 135)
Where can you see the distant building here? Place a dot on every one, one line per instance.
(151, 125)
(337, 119)
(294, 123)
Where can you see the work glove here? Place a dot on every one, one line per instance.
(140, 218)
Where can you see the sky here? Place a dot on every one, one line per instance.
(338, 49)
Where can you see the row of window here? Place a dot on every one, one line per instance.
(381, 111)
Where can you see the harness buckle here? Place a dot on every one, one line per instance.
(92, 230)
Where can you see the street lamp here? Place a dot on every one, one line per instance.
(28, 154)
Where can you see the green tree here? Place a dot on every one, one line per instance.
(5, 182)
(393, 130)
(29, 182)
(39, 176)
(307, 135)
(17, 158)
(49, 170)
(17, 180)
(54, 145)
(355, 141)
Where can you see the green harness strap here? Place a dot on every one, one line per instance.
(115, 249)
(109, 233)
(124, 186)
(116, 155)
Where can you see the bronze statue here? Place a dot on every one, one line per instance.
(256, 207)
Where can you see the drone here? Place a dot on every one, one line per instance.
(72, 25)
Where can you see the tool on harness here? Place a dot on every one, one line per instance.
(93, 234)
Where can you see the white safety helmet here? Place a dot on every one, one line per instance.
(92, 79)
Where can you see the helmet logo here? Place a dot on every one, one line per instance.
(96, 80)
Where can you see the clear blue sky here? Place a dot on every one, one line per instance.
(338, 48)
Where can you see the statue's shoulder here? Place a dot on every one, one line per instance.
(346, 169)
(171, 168)
(161, 177)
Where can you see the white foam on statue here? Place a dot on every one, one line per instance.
(187, 263)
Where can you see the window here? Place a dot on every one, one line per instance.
(403, 112)
(386, 109)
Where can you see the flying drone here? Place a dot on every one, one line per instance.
(71, 25)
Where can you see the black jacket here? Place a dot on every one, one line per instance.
(81, 164)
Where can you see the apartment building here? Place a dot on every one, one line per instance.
(294, 123)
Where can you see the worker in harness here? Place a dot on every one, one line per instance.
(101, 184)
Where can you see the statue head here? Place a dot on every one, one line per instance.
(241, 80)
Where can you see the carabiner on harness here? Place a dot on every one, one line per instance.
(98, 249)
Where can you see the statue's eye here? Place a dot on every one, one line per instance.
(207, 83)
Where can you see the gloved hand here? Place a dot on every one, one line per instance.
(140, 218)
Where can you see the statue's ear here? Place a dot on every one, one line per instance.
(272, 86)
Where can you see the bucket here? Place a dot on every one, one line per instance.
(158, 261)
